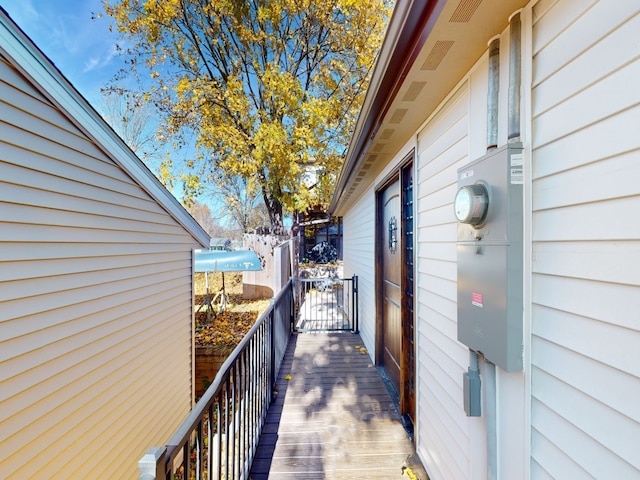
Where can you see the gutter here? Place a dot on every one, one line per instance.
(410, 25)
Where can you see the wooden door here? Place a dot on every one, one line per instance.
(390, 253)
(395, 256)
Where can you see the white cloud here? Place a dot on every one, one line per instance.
(104, 59)
(82, 48)
(23, 13)
(91, 64)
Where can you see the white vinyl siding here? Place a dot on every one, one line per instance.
(95, 302)
(586, 240)
(443, 435)
(359, 259)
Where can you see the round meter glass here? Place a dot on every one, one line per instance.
(471, 204)
(462, 204)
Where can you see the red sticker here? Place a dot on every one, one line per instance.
(476, 299)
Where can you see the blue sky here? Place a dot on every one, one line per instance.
(80, 45)
(83, 49)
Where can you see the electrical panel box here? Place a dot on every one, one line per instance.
(489, 208)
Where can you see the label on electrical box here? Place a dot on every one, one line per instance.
(466, 174)
(517, 176)
(517, 168)
(476, 299)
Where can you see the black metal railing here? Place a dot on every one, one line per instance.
(220, 436)
(327, 304)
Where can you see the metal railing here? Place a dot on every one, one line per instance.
(220, 436)
(327, 304)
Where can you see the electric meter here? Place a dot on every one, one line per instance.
(490, 279)
(471, 204)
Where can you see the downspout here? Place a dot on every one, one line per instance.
(491, 419)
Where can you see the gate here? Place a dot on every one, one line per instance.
(326, 304)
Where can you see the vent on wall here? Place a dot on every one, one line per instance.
(437, 54)
(465, 10)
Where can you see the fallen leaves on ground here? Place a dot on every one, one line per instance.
(225, 330)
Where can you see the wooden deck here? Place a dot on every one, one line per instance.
(334, 418)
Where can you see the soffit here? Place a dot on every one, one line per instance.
(458, 39)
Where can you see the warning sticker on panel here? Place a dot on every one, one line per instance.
(517, 175)
(476, 299)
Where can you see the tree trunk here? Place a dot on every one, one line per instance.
(274, 207)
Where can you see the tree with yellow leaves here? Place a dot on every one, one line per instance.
(271, 88)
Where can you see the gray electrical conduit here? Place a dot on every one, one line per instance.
(515, 66)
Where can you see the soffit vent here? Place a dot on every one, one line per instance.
(465, 10)
(398, 115)
(437, 54)
(387, 133)
(378, 147)
(367, 163)
(414, 90)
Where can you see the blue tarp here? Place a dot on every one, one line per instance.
(223, 261)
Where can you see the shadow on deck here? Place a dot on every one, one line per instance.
(334, 418)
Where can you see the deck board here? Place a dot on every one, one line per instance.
(333, 419)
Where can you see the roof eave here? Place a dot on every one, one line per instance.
(407, 32)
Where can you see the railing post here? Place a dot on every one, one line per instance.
(356, 325)
(152, 464)
(292, 304)
(272, 360)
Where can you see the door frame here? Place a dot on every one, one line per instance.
(397, 174)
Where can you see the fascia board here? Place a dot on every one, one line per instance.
(396, 24)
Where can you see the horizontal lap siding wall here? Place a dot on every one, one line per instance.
(443, 435)
(586, 247)
(359, 259)
(95, 302)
